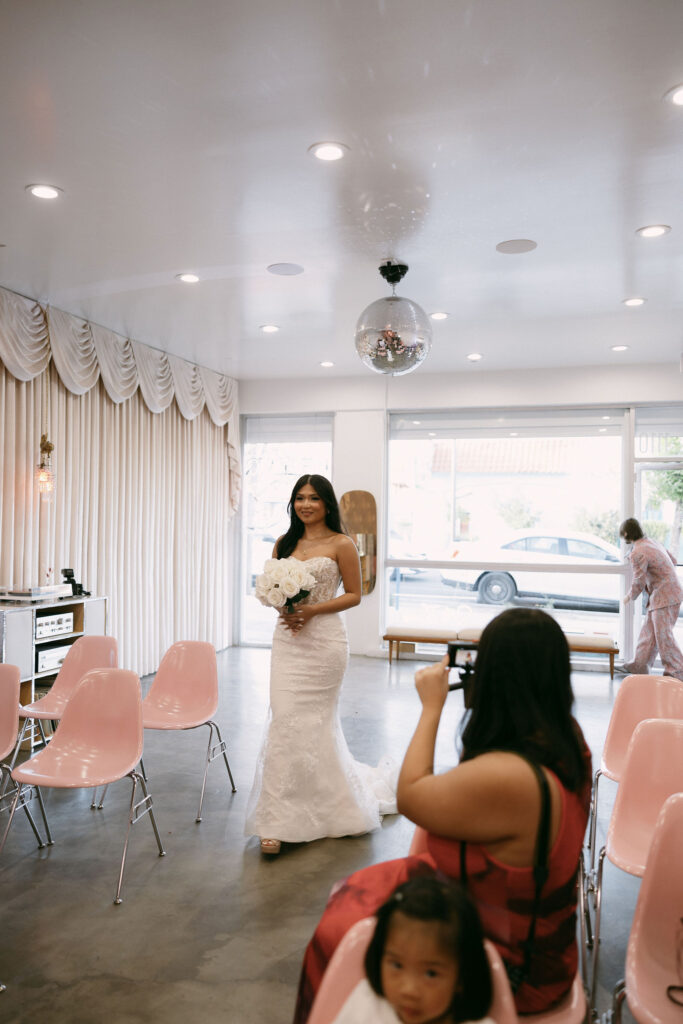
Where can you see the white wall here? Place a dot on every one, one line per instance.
(360, 406)
(596, 385)
(359, 464)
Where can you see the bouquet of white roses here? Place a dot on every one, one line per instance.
(284, 581)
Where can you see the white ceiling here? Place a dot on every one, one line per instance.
(179, 133)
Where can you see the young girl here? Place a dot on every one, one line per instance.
(426, 962)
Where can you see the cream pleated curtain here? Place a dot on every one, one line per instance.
(146, 484)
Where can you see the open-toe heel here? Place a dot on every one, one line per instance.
(270, 846)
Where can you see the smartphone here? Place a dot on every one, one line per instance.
(460, 656)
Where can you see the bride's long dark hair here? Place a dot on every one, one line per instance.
(323, 488)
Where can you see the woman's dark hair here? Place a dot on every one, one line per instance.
(631, 530)
(521, 697)
(446, 902)
(323, 488)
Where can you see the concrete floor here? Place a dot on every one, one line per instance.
(214, 930)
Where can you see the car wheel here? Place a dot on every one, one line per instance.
(496, 588)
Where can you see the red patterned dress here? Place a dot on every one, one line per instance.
(504, 897)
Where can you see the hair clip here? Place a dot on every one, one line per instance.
(398, 896)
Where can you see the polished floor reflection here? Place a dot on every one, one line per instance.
(214, 930)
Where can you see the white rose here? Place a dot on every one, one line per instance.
(303, 578)
(276, 568)
(290, 587)
(262, 585)
(276, 598)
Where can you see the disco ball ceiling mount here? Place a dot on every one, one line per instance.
(393, 334)
(393, 272)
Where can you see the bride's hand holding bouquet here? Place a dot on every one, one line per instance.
(284, 583)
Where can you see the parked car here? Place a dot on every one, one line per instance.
(501, 585)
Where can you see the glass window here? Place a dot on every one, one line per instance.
(277, 450)
(546, 545)
(488, 488)
(584, 549)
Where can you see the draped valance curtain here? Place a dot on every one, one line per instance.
(145, 485)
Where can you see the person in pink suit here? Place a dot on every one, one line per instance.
(654, 571)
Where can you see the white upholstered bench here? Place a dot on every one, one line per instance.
(584, 643)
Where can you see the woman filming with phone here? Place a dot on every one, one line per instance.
(522, 784)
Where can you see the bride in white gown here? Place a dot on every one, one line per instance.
(307, 784)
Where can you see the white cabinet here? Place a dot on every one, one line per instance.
(37, 636)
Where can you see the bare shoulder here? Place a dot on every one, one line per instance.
(501, 765)
(343, 544)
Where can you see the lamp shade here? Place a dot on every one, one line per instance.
(393, 335)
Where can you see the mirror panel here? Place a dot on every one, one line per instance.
(359, 514)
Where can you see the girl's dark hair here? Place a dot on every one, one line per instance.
(323, 488)
(631, 530)
(431, 899)
(521, 696)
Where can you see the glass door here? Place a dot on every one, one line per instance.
(659, 509)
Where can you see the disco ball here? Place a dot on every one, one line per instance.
(393, 335)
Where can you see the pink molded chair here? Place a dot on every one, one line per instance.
(652, 773)
(86, 653)
(9, 725)
(638, 698)
(347, 967)
(184, 695)
(99, 741)
(651, 952)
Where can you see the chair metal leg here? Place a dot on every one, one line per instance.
(596, 933)
(148, 810)
(12, 809)
(585, 930)
(41, 730)
(137, 810)
(41, 844)
(142, 770)
(26, 795)
(212, 752)
(593, 818)
(50, 840)
(618, 996)
(95, 805)
(20, 740)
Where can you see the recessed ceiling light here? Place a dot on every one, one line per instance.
(187, 278)
(439, 316)
(635, 301)
(602, 430)
(432, 433)
(269, 328)
(44, 191)
(619, 348)
(327, 364)
(675, 95)
(328, 150)
(514, 246)
(513, 433)
(285, 269)
(474, 357)
(417, 422)
(607, 417)
(654, 230)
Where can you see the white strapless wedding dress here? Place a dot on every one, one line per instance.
(307, 784)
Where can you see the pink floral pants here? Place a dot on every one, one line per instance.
(657, 634)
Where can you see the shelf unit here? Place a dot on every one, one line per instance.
(20, 646)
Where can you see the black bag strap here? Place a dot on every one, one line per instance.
(540, 871)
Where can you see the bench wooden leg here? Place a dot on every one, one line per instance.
(611, 666)
(391, 650)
